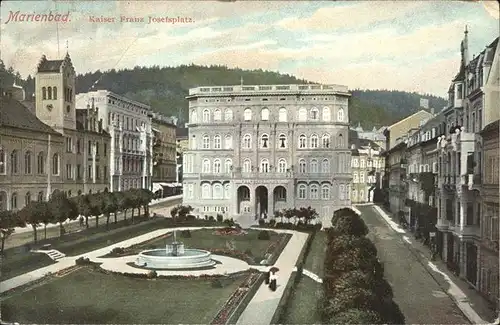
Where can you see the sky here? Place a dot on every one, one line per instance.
(403, 45)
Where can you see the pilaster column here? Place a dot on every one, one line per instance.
(270, 202)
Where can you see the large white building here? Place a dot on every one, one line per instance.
(254, 150)
(129, 124)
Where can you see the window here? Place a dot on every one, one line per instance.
(217, 142)
(2, 161)
(340, 141)
(342, 192)
(228, 115)
(325, 166)
(264, 141)
(362, 163)
(282, 116)
(326, 114)
(354, 194)
(313, 192)
(282, 141)
(193, 142)
(14, 162)
(228, 164)
(282, 166)
(205, 166)
(247, 166)
(194, 117)
(302, 141)
(314, 114)
(247, 114)
(89, 172)
(313, 168)
(217, 115)
(361, 177)
(206, 142)
(302, 114)
(27, 163)
(206, 116)
(217, 166)
(264, 114)
(340, 115)
(69, 171)
(27, 198)
(89, 151)
(302, 166)
(368, 162)
(205, 191)
(44, 93)
(264, 166)
(355, 177)
(247, 141)
(228, 142)
(218, 191)
(40, 196)
(355, 163)
(13, 201)
(325, 141)
(49, 93)
(314, 141)
(227, 191)
(78, 171)
(302, 191)
(325, 192)
(54, 92)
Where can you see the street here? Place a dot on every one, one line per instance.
(419, 296)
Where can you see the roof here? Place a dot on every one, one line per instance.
(30, 105)
(408, 117)
(491, 54)
(50, 65)
(181, 132)
(491, 128)
(397, 147)
(16, 115)
(461, 74)
(359, 143)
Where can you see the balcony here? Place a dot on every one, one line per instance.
(466, 231)
(443, 224)
(261, 175)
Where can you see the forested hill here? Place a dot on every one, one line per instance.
(165, 89)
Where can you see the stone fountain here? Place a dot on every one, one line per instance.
(174, 256)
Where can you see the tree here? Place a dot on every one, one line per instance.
(356, 316)
(346, 221)
(62, 209)
(83, 207)
(309, 214)
(133, 200)
(8, 221)
(349, 298)
(123, 202)
(96, 206)
(31, 216)
(145, 198)
(110, 205)
(279, 214)
(44, 215)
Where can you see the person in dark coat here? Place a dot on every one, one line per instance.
(268, 276)
(272, 283)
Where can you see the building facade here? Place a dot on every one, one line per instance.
(254, 150)
(129, 124)
(164, 149)
(375, 135)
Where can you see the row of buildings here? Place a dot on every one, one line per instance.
(442, 172)
(79, 143)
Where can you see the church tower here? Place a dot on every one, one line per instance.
(55, 93)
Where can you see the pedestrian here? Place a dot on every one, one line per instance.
(81, 221)
(268, 275)
(272, 283)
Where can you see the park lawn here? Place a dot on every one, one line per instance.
(303, 304)
(91, 297)
(316, 258)
(207, 239)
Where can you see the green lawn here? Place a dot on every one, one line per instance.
(207, 239)
(91, 297)
(315, 259)
(303, 303)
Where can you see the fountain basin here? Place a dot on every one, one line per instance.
(162, 259)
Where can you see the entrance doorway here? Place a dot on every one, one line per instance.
(471, 263)
(243, 200)
(261, 201)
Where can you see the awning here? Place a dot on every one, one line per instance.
(157, 187)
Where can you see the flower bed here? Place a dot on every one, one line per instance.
(229, 231)
(233, 253)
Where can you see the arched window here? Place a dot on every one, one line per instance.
(228, 142)
(217, 166)
(228, 163)
(340, 141)
(302, 141)
(217, 114)
(264, 166)
(3, 162)
(228, 115)
(205, 191)
(302, 191)
(354, 195)
(27, 163)
(14, 161)
(264, 141)
(194, 116)
(355, 177)
(325, 166)
(282, 166)
(247, 166)
(302, 114)
(282, 141)
(314, 141)
(342, 192)
(205, 166)
(13, 201)
(325, 141)
(247, 114)
(227, 191)
(247, 141)
(217, 142)
(54, 93)
(302, 166)
(340, 115)
(314, 114)
(264, 114)
(27, 198)
(49, 93)
(325, 192)
(40, 196)
(206, 115)
(313, 168)
(218, 191)
(44, 93)
(206, 142)
(326, 114)
(193, 142)
(313, 192)
(282, 116)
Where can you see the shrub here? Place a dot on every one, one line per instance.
(248, 251)
(152, 274)
(264, 235)
(82, 261)
(346, 221)
(220, 218)
(262, 222)
(272, 223)
(356, 316)
(229, 222)
(117, 251)
(206, 217)
(186, 234)
(211, 218)
(190, 217)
